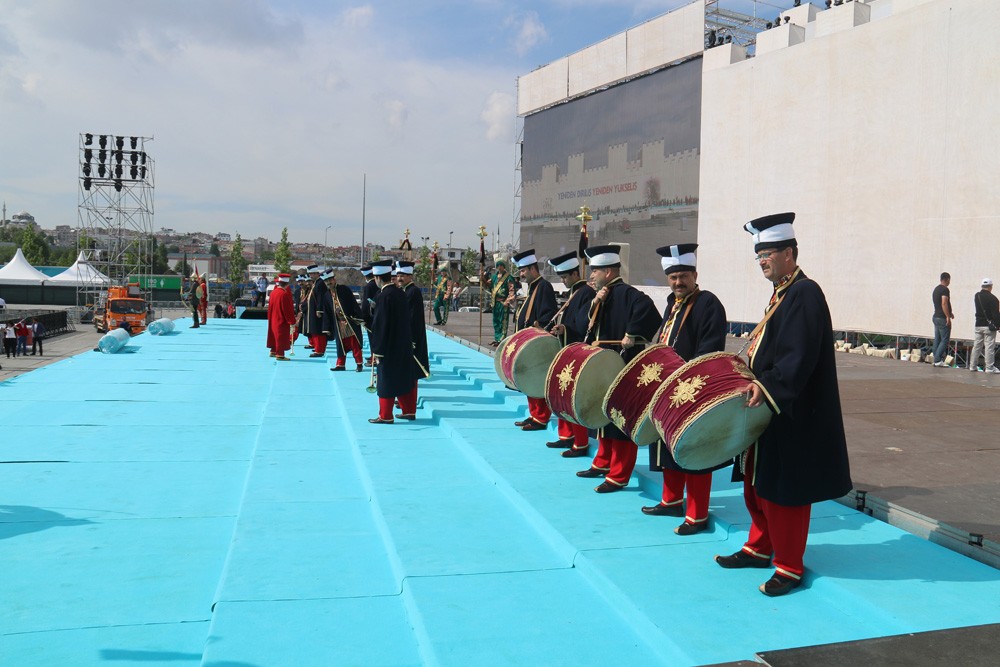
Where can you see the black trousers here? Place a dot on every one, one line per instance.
(36, 342)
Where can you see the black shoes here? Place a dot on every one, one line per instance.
(608, 487)
(315, 354)
(532, 425)
(408, 418)
(574, 453)
(686, 528)
(522, 422)
(779, 585)
(379, 420)
(358, 369)
(561, 443)
(335, 368)
(664, 510)
(591, 472)
(742, 559)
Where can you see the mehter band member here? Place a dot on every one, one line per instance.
(441, 291)
(349, 320)
(801, 458)
(368, 294)
(280, 318)
(418, 331)
(502, 285)
(392, 345)
(537, 310)
(624, 319)
(571, 326)
(694, 323)
(319, 312)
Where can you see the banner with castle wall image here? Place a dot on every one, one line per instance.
(631, 153)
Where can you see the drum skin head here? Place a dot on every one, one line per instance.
(722, 431)
(588, 396)
(533, 351)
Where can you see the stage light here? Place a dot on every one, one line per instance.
(101, 171)
(828, 3)
(787, 19)
(118, 185)
(768, 26)
(118, 171)
(86, 184)
(797, 3)
(86, 170)
(118, 156)
(103, 140)
(710, 41)
(88, 139)
(88, 155)
(134, 157)
(142, 157)
(729, 39)
(134, 141)
(119, 142)
(102, 155)
(142, 172)
(134, 171)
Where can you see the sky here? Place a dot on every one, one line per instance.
(305, 114)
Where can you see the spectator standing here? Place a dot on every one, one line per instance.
(987, 321)
(9, 339)
(194, 299)
(942, 318)
(21, 332)
(261, 291)
(37, 334)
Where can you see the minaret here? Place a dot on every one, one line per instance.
(3, 218)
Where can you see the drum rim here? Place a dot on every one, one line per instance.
(708, 406)
(539, 333)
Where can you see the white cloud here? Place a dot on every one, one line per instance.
(357, 18)
(529, 31)
(498, 116)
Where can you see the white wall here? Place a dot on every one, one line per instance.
(884, 138)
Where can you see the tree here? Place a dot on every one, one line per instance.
(160, 262)
(214, 250)
(283, 254)
(237, 263)
(184, 269)
(422, 269)
(34, 247)
(469, 266)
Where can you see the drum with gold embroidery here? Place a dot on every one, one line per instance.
(577, 381)
(522, 360)
(701, 413)
(628, 402)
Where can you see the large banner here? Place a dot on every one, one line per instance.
(631, 154)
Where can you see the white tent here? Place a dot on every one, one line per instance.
(19, 272)
(81, 273)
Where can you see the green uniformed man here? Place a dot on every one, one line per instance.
(441, 297)
(501, 286)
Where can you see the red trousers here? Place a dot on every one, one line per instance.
(407, 404)
(349, 345)
(617, 457)
(778, 529)
(318, 343)
(699, 488)
(539, 410)
(567, 430)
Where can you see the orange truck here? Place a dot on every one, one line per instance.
(123, 306)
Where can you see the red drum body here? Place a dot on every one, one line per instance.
(577, 381)
(628, 402)
(522, 360)
(702, 415)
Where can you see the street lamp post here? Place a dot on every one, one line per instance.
(325, 232)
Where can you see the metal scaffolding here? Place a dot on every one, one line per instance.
(742, 29)
(115, 211)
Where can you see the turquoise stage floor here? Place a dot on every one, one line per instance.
(192, 502)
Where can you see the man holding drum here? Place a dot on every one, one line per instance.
(624, 318)
(694, 323)
(537, 310)
(801, 458)
(571, 328)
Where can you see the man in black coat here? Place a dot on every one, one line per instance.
(571, 327)
(625, 319)
(537, 310)
(349, 320)
(693, 324)
(319, 312)
(801, 458)
(368, 293)
(392, 345)
(418, 332)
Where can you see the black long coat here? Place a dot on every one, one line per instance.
(392, 343)
(542, 299)
(801, 457)
(625, 310)
(703, 331)
(418, 330)
(319, 311)
(576, 317)
(353, 312)
(369, 291)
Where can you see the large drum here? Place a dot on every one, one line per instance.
(701, 413)
(628, 402)
(577, 381)
(523, 358)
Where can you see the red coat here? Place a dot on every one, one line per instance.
(280, 318)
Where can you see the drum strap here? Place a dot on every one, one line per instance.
(528, 305)
(665, 329)
(772, 307)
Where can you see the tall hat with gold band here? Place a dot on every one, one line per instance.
(525, 258)
(383, 267)
(563, 264)
(604, 256)
(680, 257)
(772, 231)
(404, 266)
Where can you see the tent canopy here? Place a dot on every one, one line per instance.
(81, 273)
(18, 271)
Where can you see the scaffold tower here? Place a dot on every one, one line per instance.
(115, 211)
